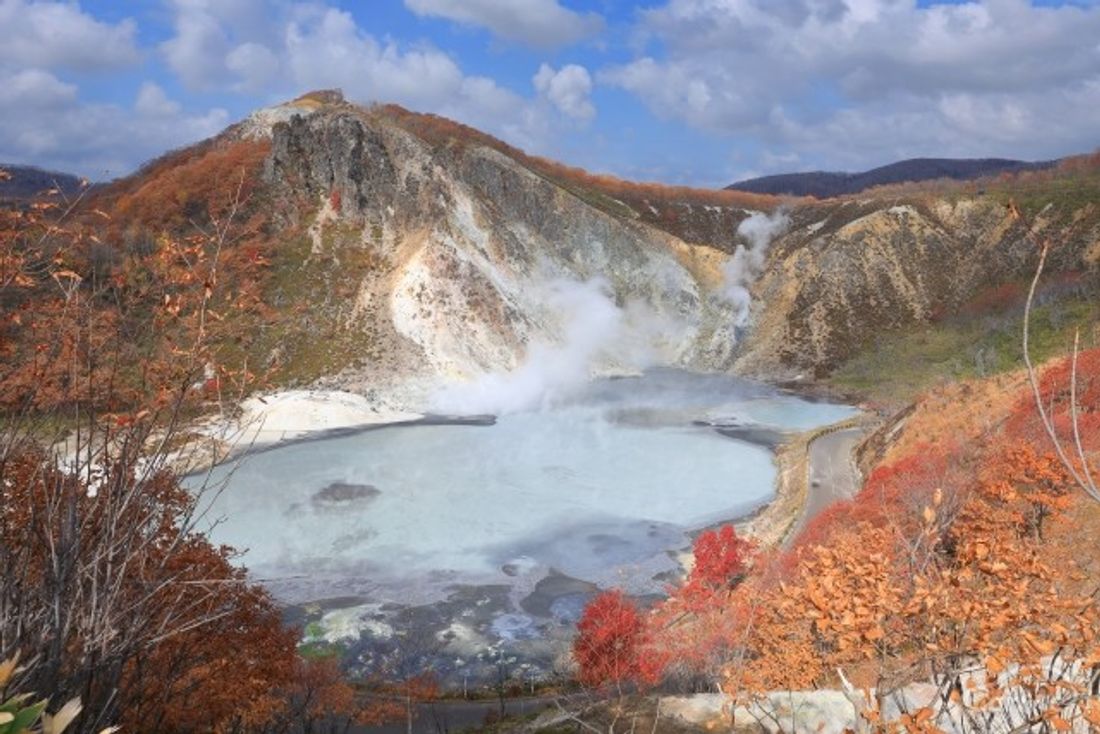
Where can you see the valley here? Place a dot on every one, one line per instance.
(441, 398)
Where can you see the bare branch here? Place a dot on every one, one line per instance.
(1083, 478)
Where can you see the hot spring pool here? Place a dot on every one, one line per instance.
(599, 489)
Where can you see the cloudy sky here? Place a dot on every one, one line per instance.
(703, 92)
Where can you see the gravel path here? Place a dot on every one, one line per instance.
(833, 474)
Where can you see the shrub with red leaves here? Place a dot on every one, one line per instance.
(720, 560)
(1058, 391)
(608, 636)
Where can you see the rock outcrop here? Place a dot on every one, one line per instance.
(848, 272)
(426, 255)
(477, 259)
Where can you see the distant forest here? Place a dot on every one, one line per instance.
(823, 184)
(26, 182)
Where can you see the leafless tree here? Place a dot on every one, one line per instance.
(1073, 457)
(99, 560)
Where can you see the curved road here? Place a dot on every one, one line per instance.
(833, 475)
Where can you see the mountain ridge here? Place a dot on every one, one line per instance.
(825, 184)
(403, 249)
(364, 250)
(27, 182)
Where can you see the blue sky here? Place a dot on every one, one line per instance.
(702, 92)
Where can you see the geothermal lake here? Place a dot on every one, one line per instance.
(498, 533)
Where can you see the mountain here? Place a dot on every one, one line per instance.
(823, 184)
(27, 182)
(403, 251)
(847, 274)
(318, 243)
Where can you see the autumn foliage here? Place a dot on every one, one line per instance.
(948, 572)
(617, 643)
(953, 566)
(184, 188)
(721, 560)
(973, 589)
(110, 338)
(608, 635)
(1056, 387)
(137, 286)
(442, 131)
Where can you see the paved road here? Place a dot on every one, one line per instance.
(833, 474)
(456, 716)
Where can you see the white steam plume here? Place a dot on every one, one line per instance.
(594, 330)
(742, 269)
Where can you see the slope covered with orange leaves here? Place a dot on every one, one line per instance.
(962, 553)
(328, 244)
(122, 308)
(183, 240)
(964, 571)
(442, 131)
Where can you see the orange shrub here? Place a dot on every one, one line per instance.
(190, 186)
(441, 131)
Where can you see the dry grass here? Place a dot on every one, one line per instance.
(965, 412)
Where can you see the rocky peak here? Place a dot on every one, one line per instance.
(436, 253)
(333, 150)
(261, 123)
(477, 260)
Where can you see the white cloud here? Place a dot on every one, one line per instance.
(276, 49)
(224, 43)
(539, 23)
(51, 35)
(43, 122)
(296, 47)
(34, 89)
(254, 64)
(45, 47)
(1037, 125)
(328, 49)
(197, 52)
(858, 82)
(153, 102)
(568, 89)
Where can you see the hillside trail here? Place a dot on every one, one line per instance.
(832, 475)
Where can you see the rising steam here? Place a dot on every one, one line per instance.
(743, 268)
(594, 331)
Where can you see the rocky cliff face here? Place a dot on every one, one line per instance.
(848, 272)
(480, 264)
(438, 259)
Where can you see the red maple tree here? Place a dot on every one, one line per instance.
(721, 559)
(608, 636)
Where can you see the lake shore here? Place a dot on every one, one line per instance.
(268, 421)
(532, 610)
(265, 421)
(777, 523)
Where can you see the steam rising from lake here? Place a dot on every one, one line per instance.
(599, 487)
(592, 329)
